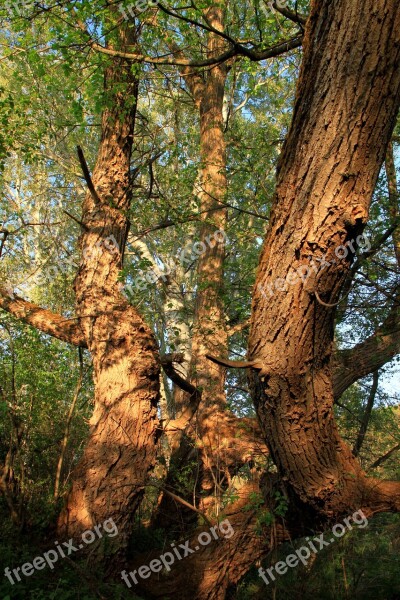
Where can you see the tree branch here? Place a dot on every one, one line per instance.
(235, 364)
(289, 14)
(383, 458)
(367, 356)
(238, 328)
(44, 320)
(393, 199)
(236, 50)
(374, 352)
(182, 501)
(167, 364)
(3, 241)
(367, 415)
(76, 220)
(208, 27)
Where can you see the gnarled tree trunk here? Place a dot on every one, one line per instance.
(347, 99)
(109, 480)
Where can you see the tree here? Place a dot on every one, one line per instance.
(347, 100)
(126, 370)
(345, 112)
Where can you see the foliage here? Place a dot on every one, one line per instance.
(51, 97)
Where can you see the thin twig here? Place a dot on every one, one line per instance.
(181, 501)
(86, 174)
(76, 220)
(382, 459)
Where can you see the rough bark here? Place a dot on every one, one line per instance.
(209, 329)
(347, 100)
(66, 329)
(294, 390)
(202, 435)
(109, 480)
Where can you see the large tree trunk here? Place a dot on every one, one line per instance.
(347, 99)
(109, 480)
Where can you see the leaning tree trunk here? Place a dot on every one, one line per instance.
(347, 100)
(109, 480)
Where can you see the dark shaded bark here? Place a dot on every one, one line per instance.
(394, 199)
(207, 573)
(14, 497)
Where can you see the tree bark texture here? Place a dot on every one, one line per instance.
(109, 480)
(207, 573)
(347, 100)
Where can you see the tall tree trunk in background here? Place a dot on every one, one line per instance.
(394, 200)
(366, 415)
(209, 334)
(109, 480)
(207, 436)
(209, 327)
(347, 100)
